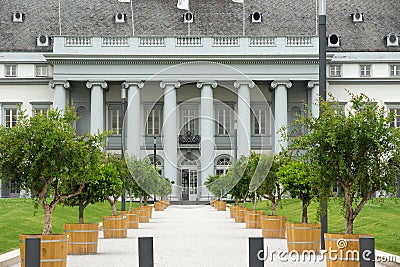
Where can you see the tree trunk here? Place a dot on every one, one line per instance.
(349, 210)
(130, 201)
(141, 201)
(81, 209)
(273, 208)
(304, 216)
(236, 201)
(145, 200)
(47, 226)
(244, 199)
(114, 208)
(255, 201)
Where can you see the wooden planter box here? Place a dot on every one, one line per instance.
(144, 214)
(253, 219)
(273, 226)
(115, 226)
(54, 250)
(159, 206)
(303, 236)
(220, 205)
(240, 215)
(83, 238)
(343, 249)
(132, 218)
(232, 211)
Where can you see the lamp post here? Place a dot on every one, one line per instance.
(235, 141)
(322, 94)
(155, 158)
(123, 109)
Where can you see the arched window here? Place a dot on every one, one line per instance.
(159, 163)
(222, 164)
(189, 161)
(294, 114)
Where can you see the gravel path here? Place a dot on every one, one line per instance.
(186, 236)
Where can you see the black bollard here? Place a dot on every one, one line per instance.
(367, 251)
(146, 255)
(256, 252)
(32, 252)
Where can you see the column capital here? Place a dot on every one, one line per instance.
(201, 83)
(102, 84)
(237, 84)
(311, 84)
(288, 84)
(128, 84)
(165, 84)
(64, 83)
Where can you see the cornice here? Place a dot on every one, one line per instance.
(155, 60)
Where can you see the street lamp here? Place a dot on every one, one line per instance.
(155, 158)
(235, 141)
(322, 94)
(123, 109)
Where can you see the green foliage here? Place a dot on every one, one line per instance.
(296, 176)
(358, 152)
(145, 175)
(270, 188)
(45, 156)
(218, 185)
(236, 175)
(109, 184)
(164, 187)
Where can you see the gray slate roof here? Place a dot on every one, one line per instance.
(212, 17)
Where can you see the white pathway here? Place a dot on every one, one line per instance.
(186, 236)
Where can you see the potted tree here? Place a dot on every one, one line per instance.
(45, 157)
(295, 177)
(129, 185)
(257, 170)
(163, 190)
(240, 187)
(273, 225)
(358, 151)
(147, 177)
(111, 187)
(83, 237)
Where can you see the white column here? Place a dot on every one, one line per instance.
(281, 112)
(59, 93)
(131, 121)
(314, 92)
(170, 131)
(207, 130)
(96, 105)
(243, 118)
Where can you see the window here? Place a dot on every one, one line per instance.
(365, 70)
(189, 118)
(261, 120)
(40, 108)
(10, 117)
(41, 70)
(394, 70)
(294, 114)
(115, 119)
(11, 70)
(222, 165)
(395, 108)
(154, 119)
(336, 70)
(224, 117)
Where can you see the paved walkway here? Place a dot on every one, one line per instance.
(186, 236)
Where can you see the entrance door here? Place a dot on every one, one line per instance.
(193, 185)
(189, 184)
(185, 184)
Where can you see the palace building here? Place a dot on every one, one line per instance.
(200, 86)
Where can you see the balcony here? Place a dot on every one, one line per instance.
(186, 45)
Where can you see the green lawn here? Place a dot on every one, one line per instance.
(382, 219)
(17, 216)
